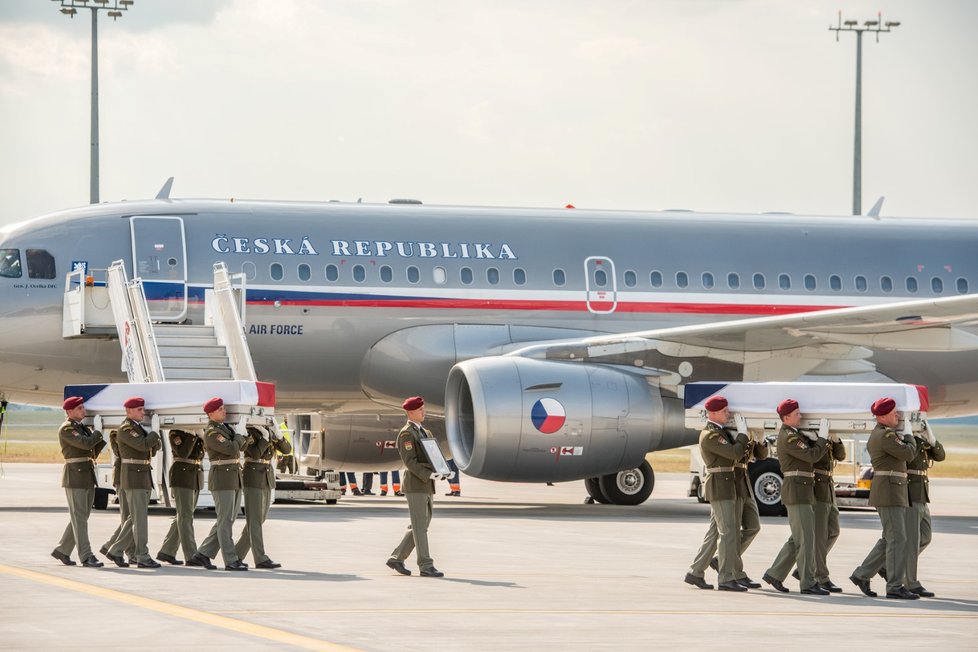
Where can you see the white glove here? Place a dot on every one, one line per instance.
(275, 433)
(242, 426)
(154, 423)
(823, 428)
(834, 437)
(97, 423)
(437, 476)
(907, 429)
(741, 424)
(931, 439)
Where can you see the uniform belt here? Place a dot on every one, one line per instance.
(896, 474)
(720, 469)
(916, 472)
(799, 474)
(254, 461)
(823, 472)
(221, 462)
(186, 460)
(73, 460)
(126, 460)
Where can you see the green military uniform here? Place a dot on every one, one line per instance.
(826, 511)
(750, 520)
(889, 452)
(419, 488)
(259, 480)
(186, 479)
(721, 452)
(136, 448)
(79, 446)
(120, 493)
(797, 455)
(223, 447)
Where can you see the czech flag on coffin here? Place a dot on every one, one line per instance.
(548, 415)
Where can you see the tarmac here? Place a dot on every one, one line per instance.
(527, 567)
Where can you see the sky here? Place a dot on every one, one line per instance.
(736, 105)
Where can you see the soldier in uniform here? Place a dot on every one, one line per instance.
(826, 511)
(186, 481)
(79, 446)
(889, 452)
(120, 494)
(259, 480)
(136, 448)
(419, 487)
(223, 447)
(720, 451)
(797, 453)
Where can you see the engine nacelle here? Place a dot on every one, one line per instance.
(524, 420)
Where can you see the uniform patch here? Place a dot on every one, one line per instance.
(135, 434)
(408, 446)
(722, 440)
(75, 433)
(221, 438)
(800, 444)
(177, 441)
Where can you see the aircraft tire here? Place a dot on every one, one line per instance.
(766, 481)
(629, 486)
(593, 486)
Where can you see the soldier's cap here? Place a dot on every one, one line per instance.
(72, 402)
(134, 402)
(213, 404)
(412, 403)
(715, 404)
(787, 406)
(883, 406)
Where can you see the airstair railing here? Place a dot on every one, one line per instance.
(227, 324)
(140, 356)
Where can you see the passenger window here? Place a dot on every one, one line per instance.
(784, 282)
(630, 279)
(439, 275)
(466, 275)
(276, 271)
(708, 281)
(911, 284)
(386, 274)
(759, 281)
(682, 279)
(413, 275)
(861, 284)
(886, 284)
(40, 264)
(600, 278)
(249, 270)
(305, 273)
(492, 275)
(332, 273)
(937, 285)
(519, 276)
(962, 286)
(359, 273)
(655, 279)
(10, 263)
(559, 278)
(835, 282)
(733, 281)
(810, 282)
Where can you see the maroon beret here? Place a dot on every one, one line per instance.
(72, 402)
(134, 402)
(883, 406)
(787, 406)
(412, 403)
(213, 404)
(715, 404)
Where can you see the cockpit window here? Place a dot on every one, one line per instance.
(10, 263)
(40, 264)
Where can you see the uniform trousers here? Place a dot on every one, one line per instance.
(918, 538)
(419, 507)
(76, 534)
(123, 517)
(799, 549)
(890, 550)
(181, 532)
(826, 532)
(256, 501)
(227, 502)
(750, 525)
(134, 535)
(725, 518)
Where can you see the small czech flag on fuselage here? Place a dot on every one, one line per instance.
(548, 415)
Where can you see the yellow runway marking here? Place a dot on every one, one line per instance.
(204, 617)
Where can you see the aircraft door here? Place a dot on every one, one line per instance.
(600, 285)
(159, 258)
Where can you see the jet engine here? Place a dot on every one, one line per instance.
(518, 419)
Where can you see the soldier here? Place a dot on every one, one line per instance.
(826, 511)
(889, 453)
(186, 481)
(79, 446)
(259, 480)
(797, 452)
(720, 452)
(419, 487)
(223, 447)
(120, 494)
(136, 448)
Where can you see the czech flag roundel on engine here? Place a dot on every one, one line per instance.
(548, 415)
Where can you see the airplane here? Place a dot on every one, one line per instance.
(550, 344)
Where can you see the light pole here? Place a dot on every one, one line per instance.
(877, 26)
(114, 8)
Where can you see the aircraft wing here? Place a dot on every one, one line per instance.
(785, 347)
